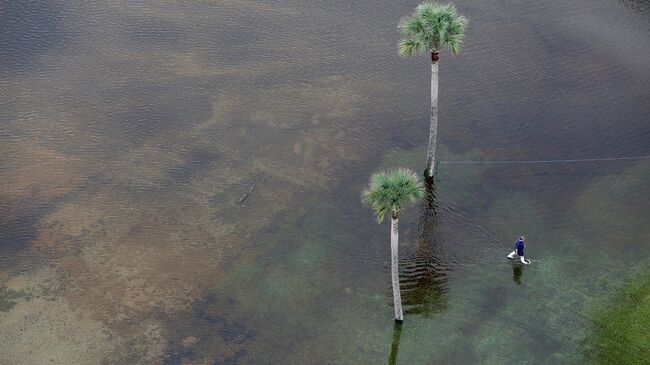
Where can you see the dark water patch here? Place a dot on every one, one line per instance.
(209, 334)
(454, 240)
(17, 228)
(195, 162)
(423, 283)
(410, 132)
(639, 6)
(537, 183)
(552, 100)
(147, 118)
(243, 31)
(158, 33)
(27, 30)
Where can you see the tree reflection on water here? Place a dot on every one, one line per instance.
(424, 276)
(394, 348)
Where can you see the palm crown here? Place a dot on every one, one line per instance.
(388, 191)
(431, 28)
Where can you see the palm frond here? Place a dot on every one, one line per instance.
(426, 10)
(454, 43)
(411, 26)
(457, 25)
(389, 191)
(409, 47)
(428, 40)
(455, 34)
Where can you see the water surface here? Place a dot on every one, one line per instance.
(131, 131)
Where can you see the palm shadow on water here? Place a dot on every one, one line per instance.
(423, 277)
(394, 348)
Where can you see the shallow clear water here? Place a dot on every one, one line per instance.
(131, 131)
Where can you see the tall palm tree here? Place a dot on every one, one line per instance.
(388, 192)
(431, 28)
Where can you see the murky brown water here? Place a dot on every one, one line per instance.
(132, 130)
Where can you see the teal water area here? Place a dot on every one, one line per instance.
(180, 182)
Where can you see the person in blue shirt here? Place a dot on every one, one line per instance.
(519, 250)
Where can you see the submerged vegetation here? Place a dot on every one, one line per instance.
(622, 333)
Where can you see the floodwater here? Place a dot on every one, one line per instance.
(131, 131)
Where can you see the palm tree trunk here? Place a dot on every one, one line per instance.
(433, 126)
(394, 268)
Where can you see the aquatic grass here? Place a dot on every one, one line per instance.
(622, 335)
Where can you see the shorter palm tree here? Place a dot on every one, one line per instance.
(388, 192)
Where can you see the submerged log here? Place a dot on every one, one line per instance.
(246, 194)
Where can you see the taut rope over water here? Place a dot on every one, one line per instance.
(547, 161)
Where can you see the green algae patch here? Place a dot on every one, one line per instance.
(621, 334)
